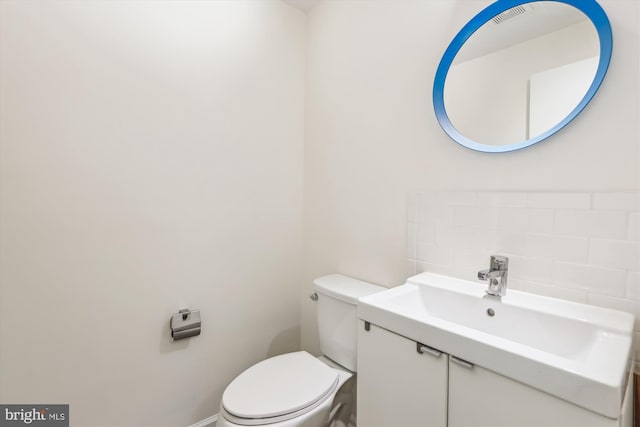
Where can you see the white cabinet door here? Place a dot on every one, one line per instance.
(397, 385)
(481, 398)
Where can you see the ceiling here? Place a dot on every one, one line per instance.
(304, 5)
(539, 19)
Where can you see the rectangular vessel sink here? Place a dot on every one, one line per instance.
(577, 352)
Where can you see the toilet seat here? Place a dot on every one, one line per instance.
(278, 389)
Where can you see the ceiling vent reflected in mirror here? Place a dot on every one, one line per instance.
(511, 13)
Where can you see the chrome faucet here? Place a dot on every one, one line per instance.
(496, 275)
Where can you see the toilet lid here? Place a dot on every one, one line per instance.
(278, 386)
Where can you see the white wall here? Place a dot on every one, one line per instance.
(372, 136)
(151, 159)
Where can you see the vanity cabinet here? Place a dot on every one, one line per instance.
(397, 385)
(481, 398)
(400, 386)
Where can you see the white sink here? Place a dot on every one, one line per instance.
(576, 352)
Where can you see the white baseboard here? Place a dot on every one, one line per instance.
(207, 422)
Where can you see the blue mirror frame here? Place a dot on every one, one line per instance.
(589, 7)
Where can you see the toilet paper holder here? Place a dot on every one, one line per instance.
(185, 323)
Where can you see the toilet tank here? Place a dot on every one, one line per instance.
(337, 316)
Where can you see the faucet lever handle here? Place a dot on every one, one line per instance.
(499, 262)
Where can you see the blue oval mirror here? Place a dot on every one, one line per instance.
(520, 71)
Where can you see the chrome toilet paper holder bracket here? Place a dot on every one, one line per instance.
(185, 323)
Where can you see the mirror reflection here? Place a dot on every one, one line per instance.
(522, 73)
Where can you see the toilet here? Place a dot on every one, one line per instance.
(297, 389)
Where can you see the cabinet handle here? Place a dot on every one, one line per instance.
(461, 362)
(425, 349)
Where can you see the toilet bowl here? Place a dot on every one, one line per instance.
(290, 390)
(297, 389)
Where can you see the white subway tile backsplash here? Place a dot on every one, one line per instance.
(421, 267)
(590, 223)
(428, 199)
(487, 241)
(614, 254)
(434, 254)
(562, 248)
(526, 220)
(458, 198)
(478, 217)
(559, 200)
(412, 233)
(412, 207)
(617, 201)
(411, 267)
(581, 247)
(456, 236)
(633, 285)
(511, 243)
(467, 262)
(512, 200)
(426, 232)
(539, 269)
(518, 284)
(575, 295)
(633, 228)
(590, 278)
(435, 215)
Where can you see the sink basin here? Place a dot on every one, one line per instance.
(577, 352)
